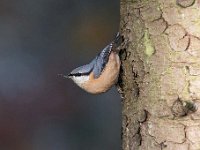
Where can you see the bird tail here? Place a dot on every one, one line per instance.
(119, 39)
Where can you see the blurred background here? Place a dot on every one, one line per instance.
(39, 110)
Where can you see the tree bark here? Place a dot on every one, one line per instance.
(160, 75)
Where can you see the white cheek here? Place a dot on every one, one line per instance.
(80, 80)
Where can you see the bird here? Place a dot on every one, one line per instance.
(102, 72)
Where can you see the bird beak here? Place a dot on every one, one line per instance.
(64, 76)
(69, 76)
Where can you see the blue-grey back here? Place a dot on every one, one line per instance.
(84, 70)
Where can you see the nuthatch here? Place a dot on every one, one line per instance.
(102, 72)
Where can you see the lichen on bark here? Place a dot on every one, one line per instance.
(149, 49)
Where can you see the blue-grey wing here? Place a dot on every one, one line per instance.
(101, 60)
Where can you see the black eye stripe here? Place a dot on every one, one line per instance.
(79, 74)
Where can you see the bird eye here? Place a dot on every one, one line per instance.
(78, 74)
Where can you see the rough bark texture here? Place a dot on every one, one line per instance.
(160, 76)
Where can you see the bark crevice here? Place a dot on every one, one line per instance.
(160, 75)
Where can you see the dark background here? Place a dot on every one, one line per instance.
(39, 110)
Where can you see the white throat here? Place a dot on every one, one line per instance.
(80, 79)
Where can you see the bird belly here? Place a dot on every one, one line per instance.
(107, 79)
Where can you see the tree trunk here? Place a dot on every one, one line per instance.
(160, 76)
